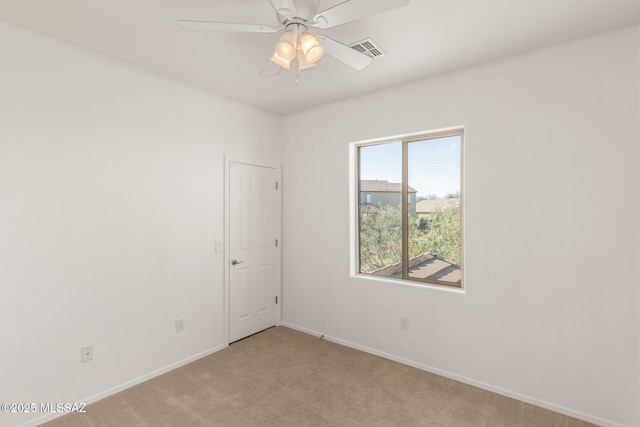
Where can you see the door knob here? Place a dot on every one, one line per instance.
(236, 262)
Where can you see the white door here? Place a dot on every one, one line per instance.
(252, 249)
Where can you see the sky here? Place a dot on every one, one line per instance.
(434, 164)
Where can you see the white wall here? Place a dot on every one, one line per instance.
(550, 310)
(111, 198)
(111, 189)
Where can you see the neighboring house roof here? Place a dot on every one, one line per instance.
(427, 206)
(381, 186)
(368, 207)
(425, 266)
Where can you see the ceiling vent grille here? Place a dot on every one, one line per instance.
(369, 48)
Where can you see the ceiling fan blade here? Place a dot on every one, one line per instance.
(352, 10)
(226, 26)
(284, 8)
(344, 53)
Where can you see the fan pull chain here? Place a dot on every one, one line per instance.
(298, 47)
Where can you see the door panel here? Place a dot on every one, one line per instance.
(252, 284)
(240, 294)
(244, 242)
(264, 294)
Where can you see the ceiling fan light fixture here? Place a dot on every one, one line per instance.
(286, 46)
(296, 48)
(312, 48)
(284, 63)
(303, 64)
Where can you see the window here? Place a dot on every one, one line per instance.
(412, 228)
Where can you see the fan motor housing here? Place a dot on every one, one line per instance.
(305, 10)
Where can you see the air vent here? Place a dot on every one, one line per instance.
(369, 48)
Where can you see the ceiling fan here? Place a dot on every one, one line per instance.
(297, 48)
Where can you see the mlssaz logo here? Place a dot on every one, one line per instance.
(62, 407)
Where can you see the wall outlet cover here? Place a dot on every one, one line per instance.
(86, 353)
(404, 323)
(179, 326)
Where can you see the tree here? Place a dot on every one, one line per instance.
(455, 195)
(427, 197)
(381, 236)
(443, 234)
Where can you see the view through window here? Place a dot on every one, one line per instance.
(409, 215)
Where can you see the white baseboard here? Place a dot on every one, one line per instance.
(541, 403)
(113, 390)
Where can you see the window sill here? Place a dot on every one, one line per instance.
(410, 283)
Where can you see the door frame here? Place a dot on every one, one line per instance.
(265, 163)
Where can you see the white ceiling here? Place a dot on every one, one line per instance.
(425, 38)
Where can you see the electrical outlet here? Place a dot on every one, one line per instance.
(86, 353)
(179, 326)
(404, 323)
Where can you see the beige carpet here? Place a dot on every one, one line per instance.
(282, 377)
